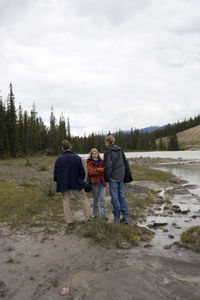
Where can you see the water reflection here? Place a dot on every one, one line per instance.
(191, 173)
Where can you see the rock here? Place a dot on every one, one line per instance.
(168, 246)
(178, 244)
(194, 217)
(147, 185)
(166, 207)
(176, 209)
(191, 186)
(181, 191)
(182, 181)
(165, 230)
(125, 245)
(157, 224)
(64, 291)
(148, 246)
(171, 236)
(159, 200)
(184, 212)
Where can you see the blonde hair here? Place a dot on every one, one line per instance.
(110, 139)
(90, 154)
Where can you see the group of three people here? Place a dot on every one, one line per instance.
(69, 174)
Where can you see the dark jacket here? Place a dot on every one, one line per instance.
(69, 172)
(95, 171)
(114, 167)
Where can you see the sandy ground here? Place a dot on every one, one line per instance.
(34, 268)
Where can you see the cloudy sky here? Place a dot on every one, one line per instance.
(106, 64)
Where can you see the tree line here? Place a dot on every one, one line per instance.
(23, 133)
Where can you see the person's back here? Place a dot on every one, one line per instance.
(114, 167)
(69, 175)
(69, 172)
(114, 172)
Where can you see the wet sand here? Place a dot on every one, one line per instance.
(34, 268)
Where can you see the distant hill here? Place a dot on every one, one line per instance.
(145, 129)
(150, 128)
(190, 138)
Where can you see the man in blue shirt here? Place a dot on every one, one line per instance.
(69, 175)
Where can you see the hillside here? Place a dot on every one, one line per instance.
(190, 138)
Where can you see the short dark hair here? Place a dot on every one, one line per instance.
(66, 145)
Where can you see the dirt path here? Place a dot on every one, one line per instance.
(34, 268)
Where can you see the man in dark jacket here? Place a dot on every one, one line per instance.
(115, 164)
(69, 175)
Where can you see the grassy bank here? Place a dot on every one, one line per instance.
(191, 238)
(145, 173)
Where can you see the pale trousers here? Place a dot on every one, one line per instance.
(81, 197)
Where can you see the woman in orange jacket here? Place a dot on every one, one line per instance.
(95, 175)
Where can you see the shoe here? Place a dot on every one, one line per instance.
(116, 221)
(104, 218)
(125, 221)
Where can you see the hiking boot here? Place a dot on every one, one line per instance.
(125, 221)
(116, 221)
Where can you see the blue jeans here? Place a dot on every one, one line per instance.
(118, 199)
(99, 193)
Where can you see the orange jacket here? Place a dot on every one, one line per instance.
(95, 171)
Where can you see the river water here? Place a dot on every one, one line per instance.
(190, 155)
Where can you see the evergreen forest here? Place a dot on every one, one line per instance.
(24, 133)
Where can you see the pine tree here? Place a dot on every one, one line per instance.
(20, 130)
(53, 135)
(4, 143)
(33, 130)
(25, 133)
(68, 130)
(11, 123)
(62, 129)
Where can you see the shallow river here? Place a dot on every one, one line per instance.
(190, 201)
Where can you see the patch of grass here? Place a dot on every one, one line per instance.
(21, 205)
(136, 205)
(28, 163)
(49, 188)
(43, 168)
(112, 235)
(191, 237)
(10, 260)
(145, 173)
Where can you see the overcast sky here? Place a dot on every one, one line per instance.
(106, 64)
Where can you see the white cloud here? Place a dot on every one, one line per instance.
(106, 64)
